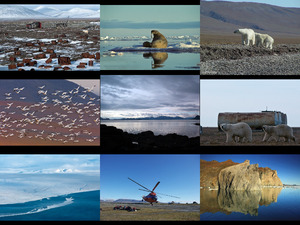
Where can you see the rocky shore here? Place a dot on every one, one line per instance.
(231, 59)
(116, 139)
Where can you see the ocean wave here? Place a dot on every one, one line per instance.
(39, 209)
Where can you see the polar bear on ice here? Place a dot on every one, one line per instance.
(262, 39)
(247, 35)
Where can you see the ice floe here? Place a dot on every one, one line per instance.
(189, 46)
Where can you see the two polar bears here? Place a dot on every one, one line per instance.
(248, 35)
(241, 131)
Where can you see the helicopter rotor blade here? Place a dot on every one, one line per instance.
(139, 184)
(143, 190)
(156, 185)
(167, 195)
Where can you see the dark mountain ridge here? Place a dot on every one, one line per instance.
(158, 118)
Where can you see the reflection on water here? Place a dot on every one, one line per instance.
(135, 61)
(158, 127)
(227, 202)
(245, 202)
(158, 57)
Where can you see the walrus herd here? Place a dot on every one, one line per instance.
(159, 40)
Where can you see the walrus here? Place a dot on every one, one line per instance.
(159, 40)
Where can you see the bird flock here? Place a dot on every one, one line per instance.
(64, 117)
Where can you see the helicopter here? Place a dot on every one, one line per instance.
(152, 196)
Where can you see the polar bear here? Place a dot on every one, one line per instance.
(241, 130)
(247, 35)
(278, 131)
(262, 39)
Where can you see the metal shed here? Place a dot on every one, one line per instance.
(254, 119)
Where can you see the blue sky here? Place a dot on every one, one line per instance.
(287, 166)
(283, 3)
(248, 96)
(179, 175)
(140, 20)
(32, 163)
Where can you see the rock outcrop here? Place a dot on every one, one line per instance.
(230, 176)
(269, 177)
(240, 177)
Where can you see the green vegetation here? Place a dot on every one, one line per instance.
(146, 212)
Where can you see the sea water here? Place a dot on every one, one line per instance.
(158, 127)
(175, 59)
(278, 205)
(70, 207)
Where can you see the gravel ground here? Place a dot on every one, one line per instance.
(246, 60)
(211, 136)
(70, 42)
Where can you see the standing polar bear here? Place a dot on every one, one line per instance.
(247, 35)
(241, 130)
(278, 131)
(264, 40)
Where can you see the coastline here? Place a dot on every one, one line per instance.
(113, 138)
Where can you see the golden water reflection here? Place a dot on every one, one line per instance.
(158, 57)
(246, 202)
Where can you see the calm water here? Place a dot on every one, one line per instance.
(268, 204)
(77, 206)
(147, 60)
(163, 127)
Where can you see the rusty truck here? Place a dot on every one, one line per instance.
(34, 25)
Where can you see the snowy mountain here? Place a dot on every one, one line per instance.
(19, 12)
(14, 12)
(66, 170)
(128, 201)
(78, 13)
(49, 11)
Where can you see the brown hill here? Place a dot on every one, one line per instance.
(209, 171)
(225, 17)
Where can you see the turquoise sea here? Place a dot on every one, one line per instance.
(147, 60)
(84, 206)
